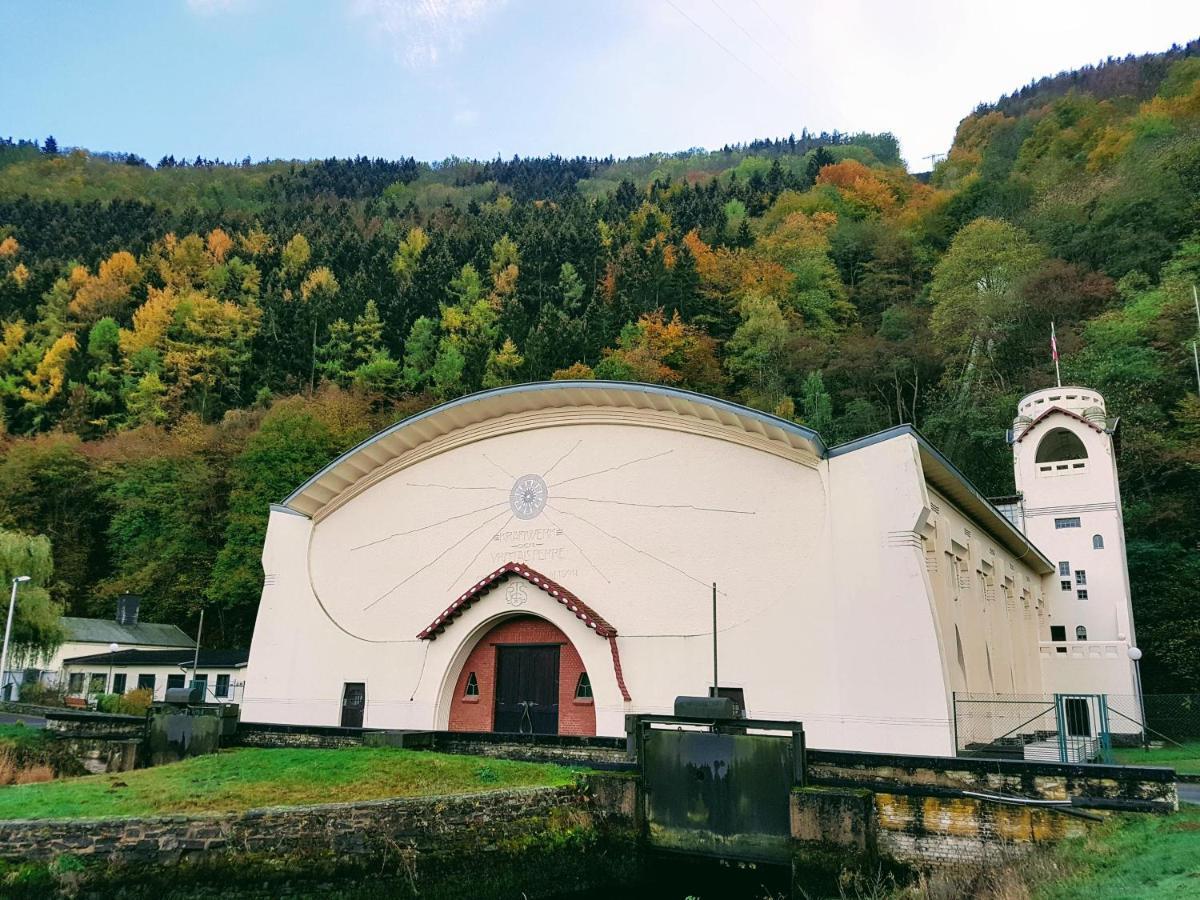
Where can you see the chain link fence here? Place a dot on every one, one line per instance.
(1071, 728)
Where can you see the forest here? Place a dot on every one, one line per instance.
(181, 344)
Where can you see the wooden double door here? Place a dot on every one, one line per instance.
(527, 688)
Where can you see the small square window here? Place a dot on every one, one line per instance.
(1081, 594)
(1080, 576)
(1066, 584)
(472, 688)
(583, 687)
(1058, 632)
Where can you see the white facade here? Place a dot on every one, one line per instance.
(859, 587)
(1064, 464)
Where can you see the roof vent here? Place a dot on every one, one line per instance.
(127, 609)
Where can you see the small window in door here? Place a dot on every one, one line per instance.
(472, 688)
(1079, 718)
(583, 687)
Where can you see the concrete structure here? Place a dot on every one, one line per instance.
(222, 672)
(859, 587)
(1069, 504)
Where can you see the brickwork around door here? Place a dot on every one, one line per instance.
(575, 717)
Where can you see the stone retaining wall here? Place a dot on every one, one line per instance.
(919, 810)
(424, 842)
(316, 737)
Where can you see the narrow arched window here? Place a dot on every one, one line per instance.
(472, 688)
(583, 687)
(1080, 633)
(1097, 542)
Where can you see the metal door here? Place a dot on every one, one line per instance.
(527, 689)
(719, 794)
(354, 701)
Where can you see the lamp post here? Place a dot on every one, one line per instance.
(1136, 655)
(12, 603)
(112, 648)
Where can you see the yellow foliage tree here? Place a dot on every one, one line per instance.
(219, 244)
(9, 247)
(46, 381)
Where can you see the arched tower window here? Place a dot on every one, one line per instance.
(1058, 445)
(1097, 542)
(1080, 633)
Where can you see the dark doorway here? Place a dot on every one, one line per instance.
(527, 689)
(354, 700)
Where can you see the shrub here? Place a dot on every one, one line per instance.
(136, 702)
(108, 703)
(38, 694)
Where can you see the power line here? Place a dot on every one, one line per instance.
(708, 35)
(782, 65)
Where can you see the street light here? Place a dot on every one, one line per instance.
(12, 603)
(112, 648)
(1136, 655)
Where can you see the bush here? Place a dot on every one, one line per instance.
(38, 694)
(107, 703)
(136, 702)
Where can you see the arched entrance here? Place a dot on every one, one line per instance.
(523, 676)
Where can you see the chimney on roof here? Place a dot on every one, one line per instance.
(127, 609)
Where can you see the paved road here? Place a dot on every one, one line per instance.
(22, 719)
(1189, 793)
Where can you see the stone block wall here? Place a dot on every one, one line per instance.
(920, 810)
(436, 826)
(585, 751)
(252, 734)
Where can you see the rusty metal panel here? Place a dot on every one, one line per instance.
(724, 795)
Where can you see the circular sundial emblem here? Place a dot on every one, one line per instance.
(528, 496)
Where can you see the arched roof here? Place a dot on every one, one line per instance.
(377, 451)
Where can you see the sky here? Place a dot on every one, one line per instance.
(301, 79)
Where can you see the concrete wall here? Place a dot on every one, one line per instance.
(921, 811)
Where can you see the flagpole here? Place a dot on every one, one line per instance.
(1054, 347)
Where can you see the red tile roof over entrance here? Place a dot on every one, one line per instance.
(582, 611)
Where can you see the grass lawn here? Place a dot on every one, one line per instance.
(1145, 856)
(1185, 759)
(248, 778)
(20, 736)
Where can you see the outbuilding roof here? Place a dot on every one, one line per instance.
(107, 631)
(209, 659)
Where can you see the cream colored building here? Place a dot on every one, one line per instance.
(541, 557)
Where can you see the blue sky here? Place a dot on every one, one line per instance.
(435, 78)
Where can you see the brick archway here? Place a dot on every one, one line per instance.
(473, 703)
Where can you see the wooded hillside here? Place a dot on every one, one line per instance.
(185, 343)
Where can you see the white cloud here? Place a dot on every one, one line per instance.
(423, 30)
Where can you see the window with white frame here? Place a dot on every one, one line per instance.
(1080, 577)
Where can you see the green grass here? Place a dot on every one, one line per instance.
(244, 779)
(1185, 759)
(1145, 856)
(20, 735)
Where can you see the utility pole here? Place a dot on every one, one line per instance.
(196, 657)
(1195, 353)
(716, 682)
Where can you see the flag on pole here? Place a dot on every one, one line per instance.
(1054, 355)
